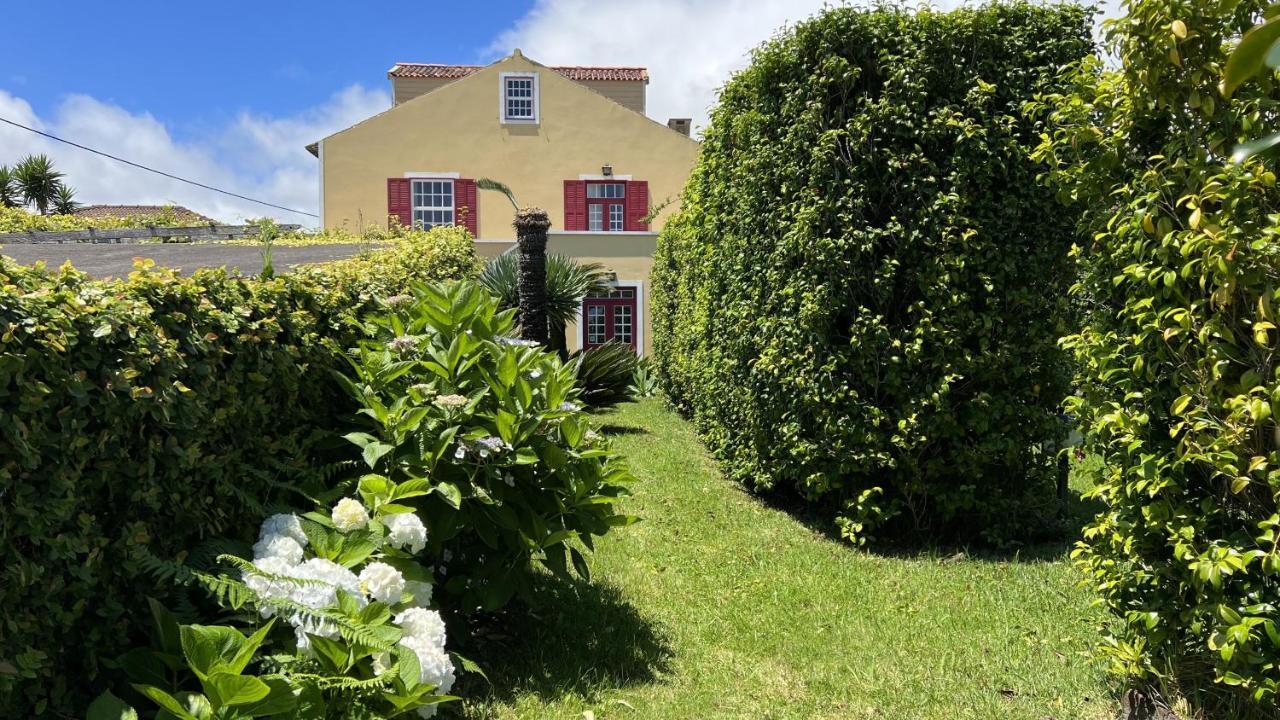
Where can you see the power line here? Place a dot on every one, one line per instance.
(158, 172)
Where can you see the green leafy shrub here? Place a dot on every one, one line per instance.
(20, 220)
(643, 381)
(605, 373)
(140, 416)
(864, 286)
(492, 426)
(1178, 387)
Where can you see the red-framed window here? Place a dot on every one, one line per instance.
(606, 205)
(612, 315)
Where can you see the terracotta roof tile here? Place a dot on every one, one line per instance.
(117, 211)
(577, 73)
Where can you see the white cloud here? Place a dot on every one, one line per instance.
(256, 155)
(691, 47)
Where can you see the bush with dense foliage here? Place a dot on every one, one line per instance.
(14, 219)
(139, 416)
(1179, 376)
(491, 425)
(862, 295)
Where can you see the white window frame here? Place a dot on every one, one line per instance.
(415, 207)
(502, 98)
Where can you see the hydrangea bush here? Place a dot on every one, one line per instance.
(494, 429)
(364, 641)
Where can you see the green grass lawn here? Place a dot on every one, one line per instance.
(719, 606)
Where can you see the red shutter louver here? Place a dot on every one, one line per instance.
(637, 205)
(400, 201)
(575, 205)
(466, 207)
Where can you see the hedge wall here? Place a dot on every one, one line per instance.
(141, 416)
(1178, 386)
(862, 294)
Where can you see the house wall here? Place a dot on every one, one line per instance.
(628, 255)
(404, 89)
(456, 128)
(628, 93)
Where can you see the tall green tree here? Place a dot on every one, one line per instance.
(64, 200)
(38, 181)
(10, 195)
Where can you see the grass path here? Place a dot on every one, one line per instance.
(718, 606)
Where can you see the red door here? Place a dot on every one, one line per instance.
(610, 316)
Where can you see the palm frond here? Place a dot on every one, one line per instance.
(495, 186)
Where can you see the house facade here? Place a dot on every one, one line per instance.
(574, 141)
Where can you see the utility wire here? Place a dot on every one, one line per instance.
(158, 172)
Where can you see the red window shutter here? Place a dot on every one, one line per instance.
(400, 200)
(466, 206)
(637, 205)
(575, 205)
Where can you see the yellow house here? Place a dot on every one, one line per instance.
(574, 141)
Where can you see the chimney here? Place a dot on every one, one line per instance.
(680, 125)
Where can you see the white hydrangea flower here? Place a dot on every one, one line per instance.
(406, 532)
(349, 515)
(286, 524)
(421, 592)
(268, 588)
(278, 546)
(332, 577)
(436, 667)
(423, 624)
(448, 401)
(382, 582)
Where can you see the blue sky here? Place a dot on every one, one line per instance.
(228, 92)
(197, 64)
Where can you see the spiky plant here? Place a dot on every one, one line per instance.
(605, 373)
(10, 195)
(64, 200)
(38, 181)
(568, 282)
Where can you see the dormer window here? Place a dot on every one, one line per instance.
(519, 97)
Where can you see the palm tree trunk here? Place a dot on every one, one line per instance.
(531, 226)
(556, 340)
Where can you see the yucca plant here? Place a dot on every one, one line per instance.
(605, 373)
(64, 200)
(38, 181)
(10, 195)
(568, 281)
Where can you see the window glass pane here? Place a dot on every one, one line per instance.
(432, 203)
(595, 324)
(622, 323)
(615, 217)
(519, 98)
(607, 191)
(595, 217)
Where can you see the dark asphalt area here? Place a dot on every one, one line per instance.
(110, 260)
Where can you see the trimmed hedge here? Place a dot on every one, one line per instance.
(862, 294)
(139, 417)
(1178, 355)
